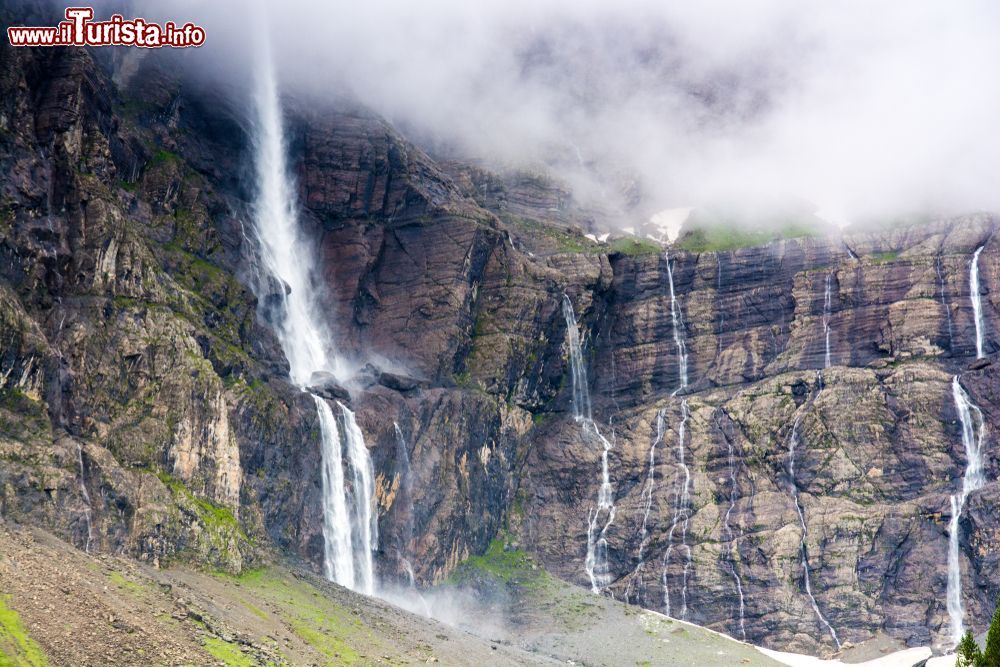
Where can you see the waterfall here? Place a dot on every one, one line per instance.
(677, 320)
(338, 560)
(734, 494)
(944, 302)
(973, 431)
(363, 520)
(681, 519)
(578, 370)
(647, 501)
(86, 498)
(406, 497)
(827, 302)
(977, 300)
(803, 550)
(722, 312)
(596, 563)
(288, 299)
(682, 503)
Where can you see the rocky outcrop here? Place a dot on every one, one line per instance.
(144, 406)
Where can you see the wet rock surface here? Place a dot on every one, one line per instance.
(145, 407)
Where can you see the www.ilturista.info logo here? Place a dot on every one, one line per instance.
(79, 30)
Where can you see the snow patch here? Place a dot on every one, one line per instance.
(669, 222)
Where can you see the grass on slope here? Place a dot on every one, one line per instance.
(715, 238)
(316, 619)
(17, 649)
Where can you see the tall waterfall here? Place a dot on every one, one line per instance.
(827, 307)
(977, 301)
(803, 549)
(681, 520)
(682, 497)
(596, 563)
(287, 258)
(647, 502)
(730, 535)
(677, 320)
(973, 430)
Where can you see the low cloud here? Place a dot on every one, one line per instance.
(866, 110)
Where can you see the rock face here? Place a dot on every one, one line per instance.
(145, 408)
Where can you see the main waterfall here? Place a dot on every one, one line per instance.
(287, 294)
(972, 480)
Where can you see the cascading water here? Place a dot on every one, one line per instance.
(722, 311)
(581, 390)
(647, 501)
(944, 302)
(596, 563)
(406, 498)
(977, 301)
(338, 560)
(86, 499)
(363, 520)
(348, 524)
(681, 519)
(803, 550)
(682, 503)
(973, 430)
(677, 319)
(730, 535)
(827, 307)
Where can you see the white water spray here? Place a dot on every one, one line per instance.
(677, 319)
(596, 563)
(363, 519)
(803, 551)
(977, 301)
(338, 561)
(973, 430)
(348, 524)
(681, 520)
(827, 307)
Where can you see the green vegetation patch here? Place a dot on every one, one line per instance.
(21, 417)
(502, 563)
(127, 585)
(565, 239)
(213, 516)
(634, 246)
(163, 157)
(17, 649)
(314, 617)
(227, 653)
(885, 257)
(720, 238)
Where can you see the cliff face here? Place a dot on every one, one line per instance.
(146, 409)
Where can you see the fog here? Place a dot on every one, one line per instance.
(864, 110)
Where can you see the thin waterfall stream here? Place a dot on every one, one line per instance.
(973, 430)
(803, 548)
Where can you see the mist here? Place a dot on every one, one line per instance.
(865, 111)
